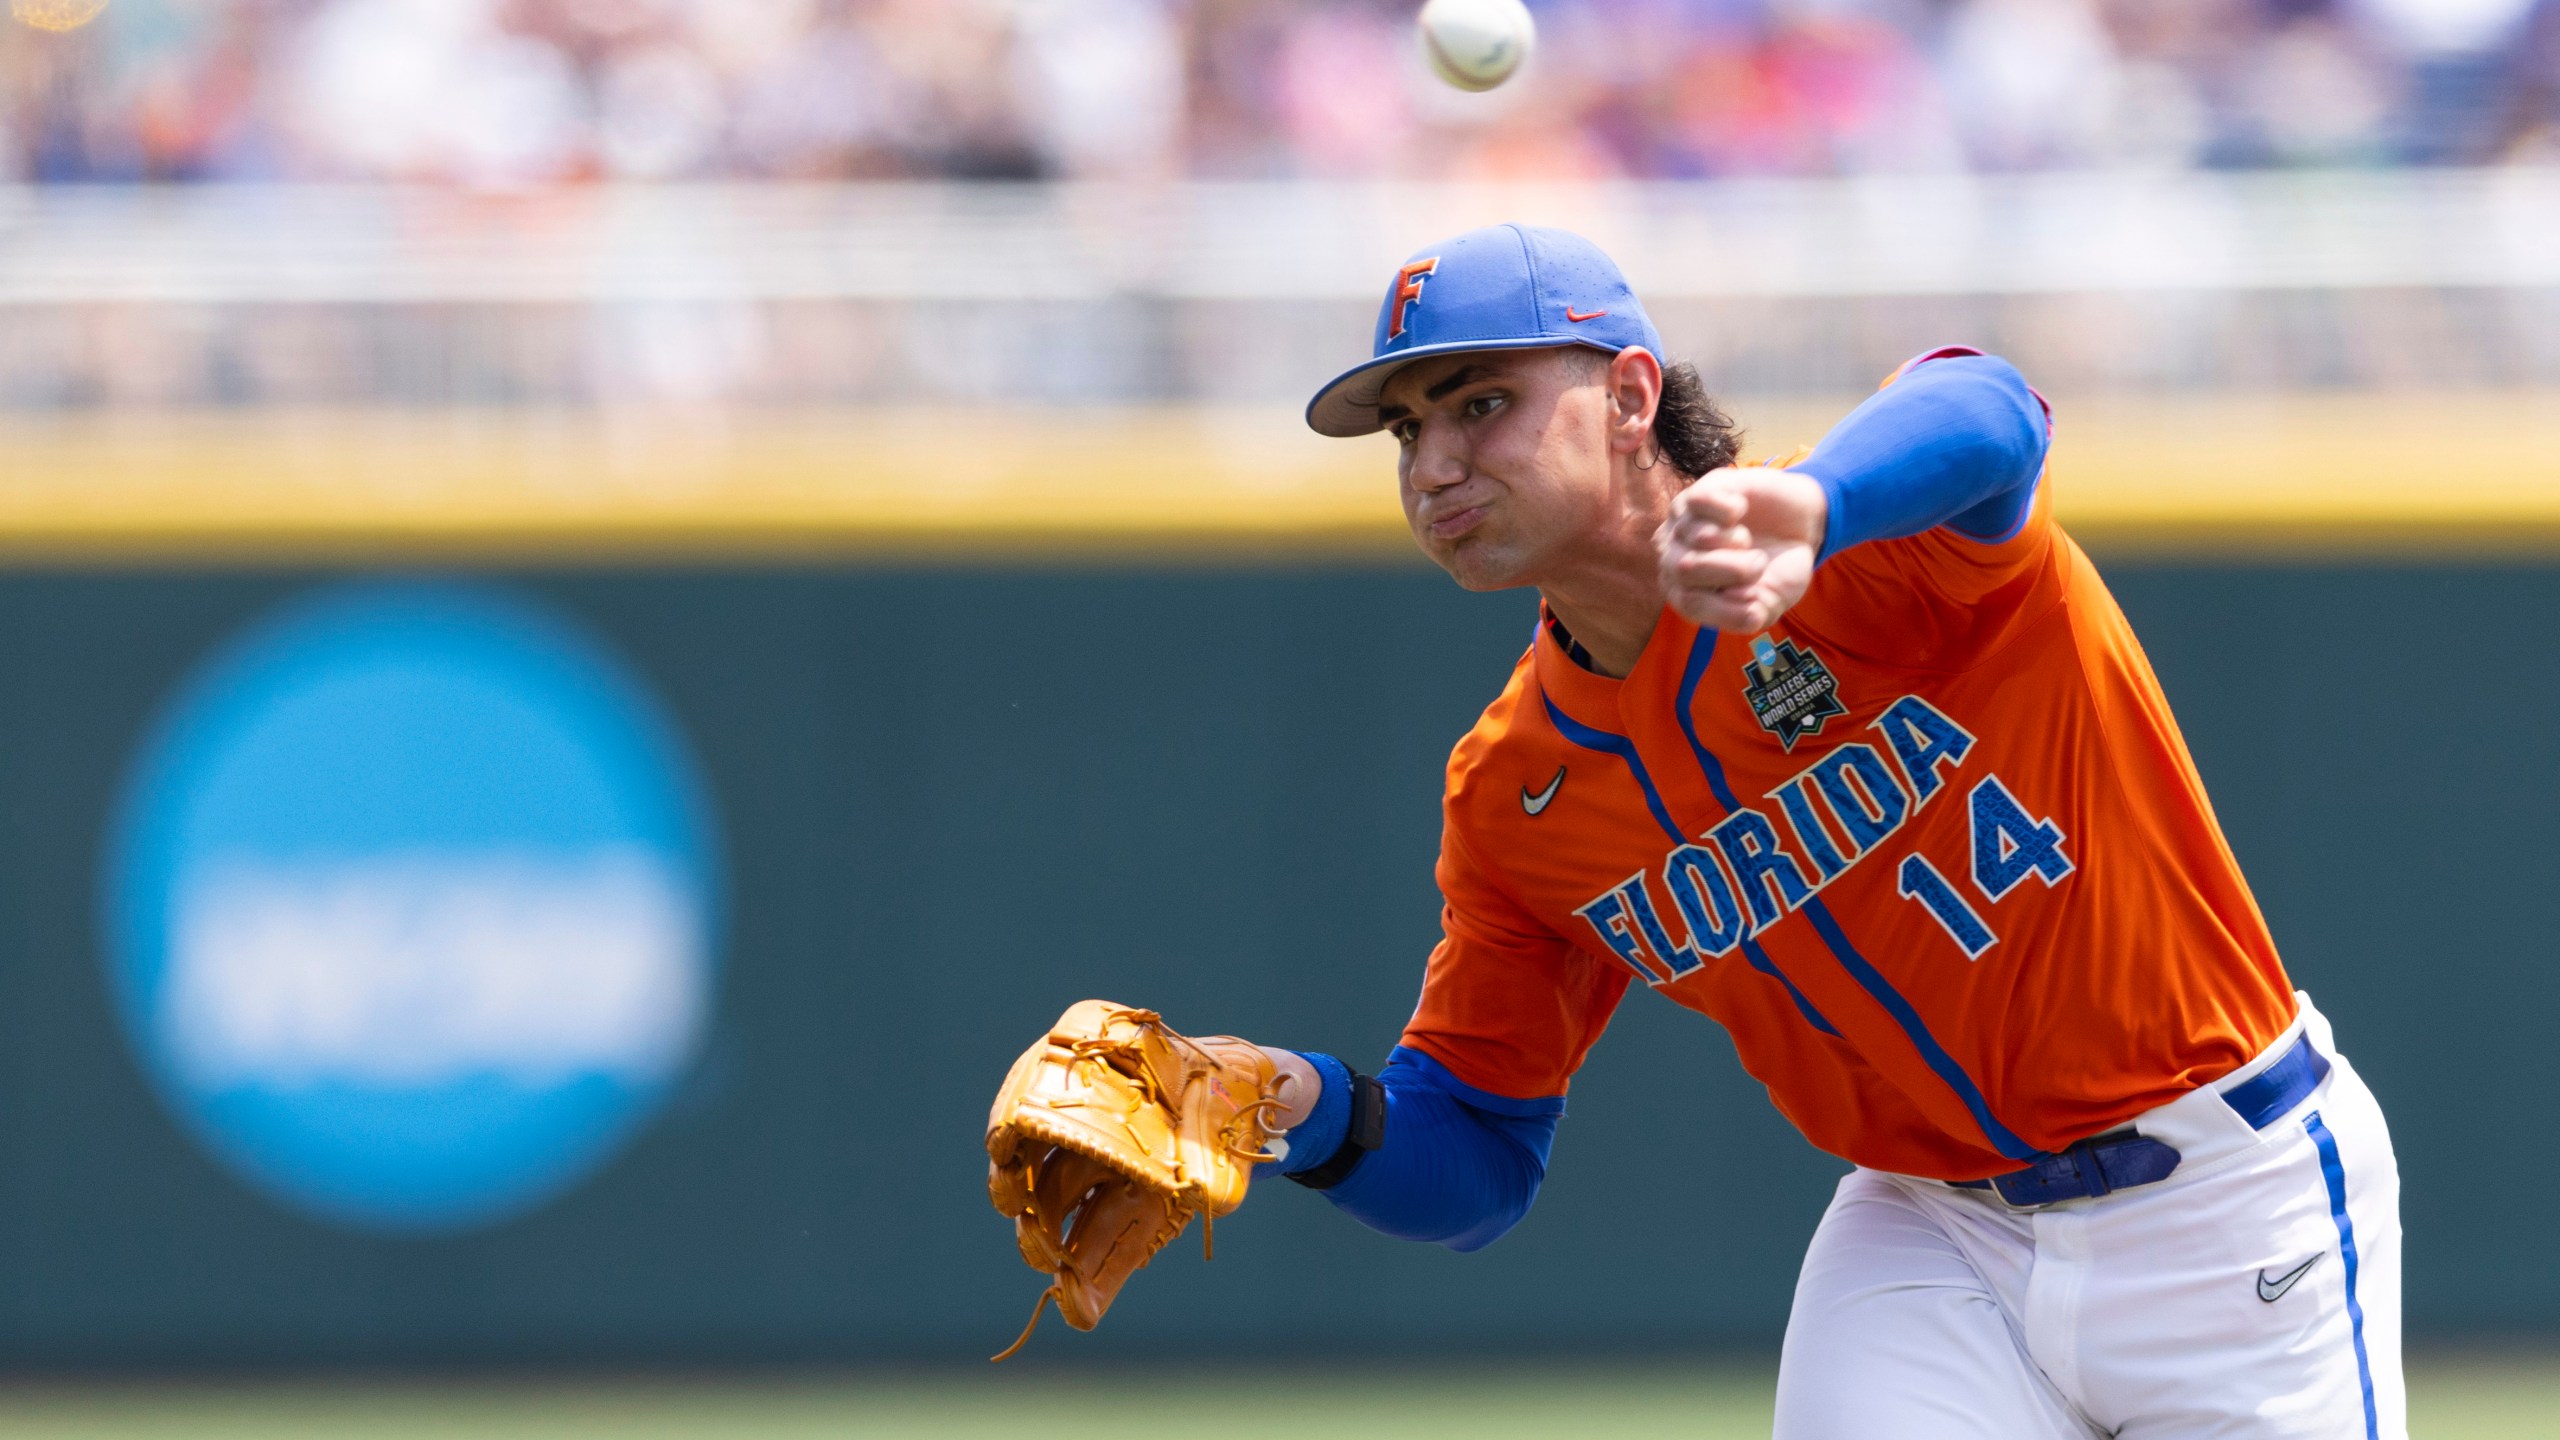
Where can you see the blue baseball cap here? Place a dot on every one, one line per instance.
(1504, 287)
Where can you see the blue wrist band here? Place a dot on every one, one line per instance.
(1326, 1127)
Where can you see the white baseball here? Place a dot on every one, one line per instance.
(1476, 44)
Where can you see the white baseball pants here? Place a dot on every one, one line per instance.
(2253, 1293)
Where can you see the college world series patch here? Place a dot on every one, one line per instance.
(1791, 691)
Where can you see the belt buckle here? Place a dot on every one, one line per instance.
(2072, 1165)
(1991, 1190)
(2076, 1172)
(1996, 1188)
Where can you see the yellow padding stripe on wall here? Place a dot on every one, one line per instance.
(2384, 475)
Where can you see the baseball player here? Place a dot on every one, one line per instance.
(1857, 756)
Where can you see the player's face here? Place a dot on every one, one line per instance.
(1505, 463)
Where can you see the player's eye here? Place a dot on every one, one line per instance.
(1483, 405)
(1406, 431)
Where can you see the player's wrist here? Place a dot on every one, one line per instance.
(1815, 497)
(1295, 1083)
(1325, 1121)
(1805, 500)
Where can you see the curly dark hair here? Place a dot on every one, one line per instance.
(1689, 428)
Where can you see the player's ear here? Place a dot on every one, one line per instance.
(1635, 393)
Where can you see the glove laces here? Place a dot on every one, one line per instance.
(1037, 1306)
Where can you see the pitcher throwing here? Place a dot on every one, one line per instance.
(1857, 756)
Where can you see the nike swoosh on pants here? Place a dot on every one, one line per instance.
(2272, 1291)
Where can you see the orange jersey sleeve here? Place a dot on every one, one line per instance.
(1507, 1004)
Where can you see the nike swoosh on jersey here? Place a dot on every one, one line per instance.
(1537, 803)
(2272, 1291)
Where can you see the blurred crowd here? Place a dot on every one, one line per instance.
(527, 92)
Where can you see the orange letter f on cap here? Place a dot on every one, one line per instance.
(1409, 291)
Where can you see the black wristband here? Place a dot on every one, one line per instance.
(1367, 1131)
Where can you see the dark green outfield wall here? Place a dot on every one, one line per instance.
(954, 801)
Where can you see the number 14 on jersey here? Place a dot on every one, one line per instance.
(2008, 846)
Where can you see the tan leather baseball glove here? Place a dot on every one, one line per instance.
(1109, 1135)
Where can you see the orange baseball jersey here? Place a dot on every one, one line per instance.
(1932, 850)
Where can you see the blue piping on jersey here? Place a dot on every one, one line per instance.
(1622, 747)
(2334, 1171)
(1761, 962)
(1868, 977)
(1699, 650)
(1873, 982)
(1625, 749)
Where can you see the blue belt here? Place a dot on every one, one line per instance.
(2118, 1159)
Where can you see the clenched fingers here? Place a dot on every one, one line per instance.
(1700, 535)
(1719, 569)
(1742, 610)
(1715, 499)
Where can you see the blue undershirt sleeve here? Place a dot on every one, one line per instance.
(1459, 1166)
(1958, 442)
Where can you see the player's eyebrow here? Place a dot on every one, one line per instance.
(1464, 375)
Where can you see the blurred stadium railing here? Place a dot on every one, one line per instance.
(2259, 358)
(1097, 294)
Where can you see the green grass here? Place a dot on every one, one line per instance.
(2463, 1400)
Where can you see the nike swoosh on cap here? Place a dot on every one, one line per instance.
(1577, 317)
(2272, 1291)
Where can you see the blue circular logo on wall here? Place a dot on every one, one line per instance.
(412, 897)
